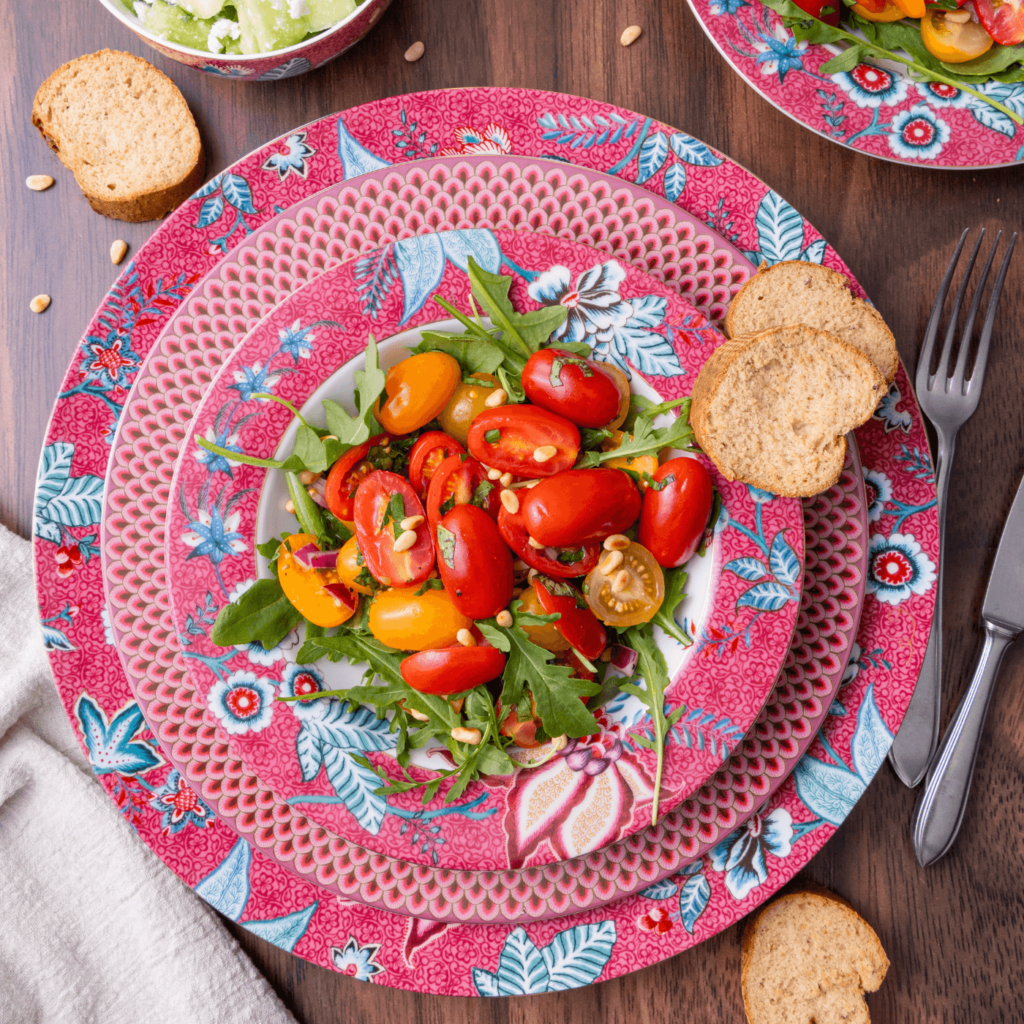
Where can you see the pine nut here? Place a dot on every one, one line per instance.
(307, 477)
(289, 506)
(616, 542)
(630, 35)
(465, 638)
(958, 17)
(611, 562)
(411, 522)
(504, 618)
(621, 581)
(510, 500)
(470, 736)
(544, 453)
(560, 742)
(405, 540)
(39, 182)
(39, 303)
(506, 479)
(531, 574)
(500, 397)
(494, 474)
(311, 491)
(412, 55)
(535, 544)
(525, 484)
(418, 715)
(520, 566)
(117, 251)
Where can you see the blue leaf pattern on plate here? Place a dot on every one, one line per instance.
(355, 785)
(872, 739)
(521, 968)
(476, 242)
(766, 597)
(237, 192)
(576, 956)
(210, 211)
(675, 182)
(693, 151)
(421, 266)
(663, 890)
(749, 568)
(780, 229)
(226, 887)
(283, 932)
(355, 159)
(692, 900)
(815, 252)
(652, 155)
(785, 565)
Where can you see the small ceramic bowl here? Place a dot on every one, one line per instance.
(265, 67)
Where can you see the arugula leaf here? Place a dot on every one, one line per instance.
(513, 385)
(999, 58)
(577, 348)
(261, 615)
(675, 583)
(385, 661)
(474, 354)
(353, 430)
(646, 440)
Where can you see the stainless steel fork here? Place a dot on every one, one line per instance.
(949, 402)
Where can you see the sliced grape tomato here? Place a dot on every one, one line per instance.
(460, 480)
(562, 563)
(383, 501)
(577, 623)
(524, 440)
(429, 451)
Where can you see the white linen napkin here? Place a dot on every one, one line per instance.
(93, 926)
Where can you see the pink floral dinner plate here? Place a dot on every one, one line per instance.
(874, 109)
(596, 791)
(744, 867)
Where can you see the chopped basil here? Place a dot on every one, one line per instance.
(446, 546)
(492, 436)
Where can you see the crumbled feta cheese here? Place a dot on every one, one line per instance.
(298, 8)
(222, 27)
(142, 10)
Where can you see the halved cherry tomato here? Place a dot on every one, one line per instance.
(460, 480)
(562, 563)
(452, 669)
(622, 383)
(382, 502)
(1003, 20)
(572, 387)
(511, 437)
(545, 634)
(466, 403)
(580, 506)
(817, 8)
(578, 624)
(911, 8)
(345, 477)
(410, 621)
(305, 587)
(429, 451)
(636, 597)
(522, 734)
(474, 562)
(889, 11)
(673, 517)
(351, 565)
(951, 41)
(418, 388)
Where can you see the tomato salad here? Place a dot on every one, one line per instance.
(494, 536)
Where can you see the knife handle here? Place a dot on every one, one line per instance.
(941, 805)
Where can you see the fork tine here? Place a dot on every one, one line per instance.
(978, 374)
(924, 359)
(942, 372)
(965, 338)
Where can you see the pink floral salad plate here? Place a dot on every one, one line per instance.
(575, 802)
(875, 107)
(856, 692)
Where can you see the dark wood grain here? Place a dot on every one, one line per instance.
(954, 933)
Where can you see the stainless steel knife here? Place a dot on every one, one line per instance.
(940, 807)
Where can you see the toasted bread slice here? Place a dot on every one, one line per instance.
(795, 292)
(125, 131)
(773, 409)
(808, 958)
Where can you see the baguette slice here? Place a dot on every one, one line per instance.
(808, 958)
(773, 409)
(795, 292)
(125, 131)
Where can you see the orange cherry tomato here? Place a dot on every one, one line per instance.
(951, 41)
(622, 383)
(460, 481)
(466, 403)
(385, 500)
(522, 734)
(418, 388)
(911, 8)
(449, 670)
(580, 506)
(305, 587)
(524, 440)
(545, 635)
(572, 387)
(409, 621)
(889, 12)
(345, 477)
(474, 562)
(562, 563)
(351, 565)
(429, 451)
(676, 511)
(578, 624)
(637, 600)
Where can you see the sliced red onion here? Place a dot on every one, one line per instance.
(304, 555)
(341, 593)
(324, 560)
(623, 659)
(317, 490)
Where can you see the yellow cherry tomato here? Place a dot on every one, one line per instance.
(951, 41)
(466, 403)
(622, 383)
(408, 621)
(639, 464)
(545, 636)
(350, 566)
(628, 600)
(305, 587)
(911, 8)
(888, 13)
(418, 388)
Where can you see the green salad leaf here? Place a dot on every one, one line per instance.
(675, 591)
(261, 615)
(645, 438)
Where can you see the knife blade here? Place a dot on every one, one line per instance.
(943, 800)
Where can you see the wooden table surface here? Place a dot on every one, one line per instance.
(954, 932)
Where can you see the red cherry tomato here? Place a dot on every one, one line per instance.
(579, 506)
(815, 8)
(375, 502)
(562, 563)
(474, 562)
(1003, 20)
(578, 624)
(575, 388)
(460, 480)
(452, 669)
(673, 519)
(427, 454)
(345, 477)
(511, 437)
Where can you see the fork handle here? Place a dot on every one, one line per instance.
(941, 805)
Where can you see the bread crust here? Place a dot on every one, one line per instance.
(141, 205)
(835, 280)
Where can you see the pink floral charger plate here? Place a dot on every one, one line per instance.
(578, 803)
(389, 205)
(744, 867)
(873, 108)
